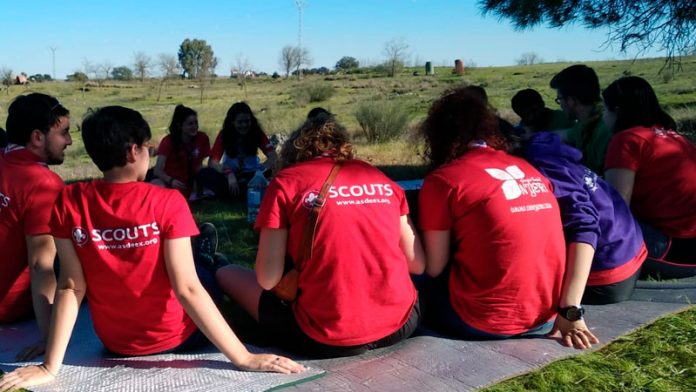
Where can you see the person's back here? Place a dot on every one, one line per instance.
(505, 224)
(356, 287)
(3, 138)
(593, 213)
(27, 187)
(120, 228)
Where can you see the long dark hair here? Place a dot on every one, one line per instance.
(456, 119)
(635, 104)
(232, 140)
(181, 113)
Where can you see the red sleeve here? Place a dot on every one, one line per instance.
(177, 220)
(203, 145)
(403, 203)
(624, 151)
(264, 144)
(272, 213)
(218, 150)
(38, 216)
(60, 227)
(165, 147)
(433, 201)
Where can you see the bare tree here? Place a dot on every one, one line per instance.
(293, 58)
(206, 71)
(6, 77)
(105, 68)
(529, 58)
(141, 65)
(169, 68)
(396, 51)
(241, 70)
(90, 68)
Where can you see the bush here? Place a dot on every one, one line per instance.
(382, 120)
(315, 92)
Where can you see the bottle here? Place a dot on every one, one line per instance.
(255, 190)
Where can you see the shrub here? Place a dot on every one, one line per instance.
(382, 120)
(315, 92)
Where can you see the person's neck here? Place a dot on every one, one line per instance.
(586, 113)
(120, 175)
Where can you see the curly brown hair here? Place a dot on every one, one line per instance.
(316, 137)
(454, 120)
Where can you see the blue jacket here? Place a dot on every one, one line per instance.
(592, 211)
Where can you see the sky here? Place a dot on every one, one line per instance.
(440, 31)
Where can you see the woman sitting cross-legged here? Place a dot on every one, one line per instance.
(491, 230)
(354, 290)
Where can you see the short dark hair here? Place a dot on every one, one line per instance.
(109, 132)
(635, 104)
(578, 81)
(3, 138)
(527, 101)
(30, 112)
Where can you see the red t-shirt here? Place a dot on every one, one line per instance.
(509, 249)
(192, 153)
(664, 191)
(28, 190)
(262, 143)
(117, 231)
(356, 287)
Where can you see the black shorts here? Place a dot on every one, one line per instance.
(278, 322)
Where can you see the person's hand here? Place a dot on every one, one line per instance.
(270, 363)
(233, 185)
(176, 184)
(32, 351)
(25, 377)
(573, 333)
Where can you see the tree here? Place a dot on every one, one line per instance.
(529, 58)
(105, 69)
(396, 51)
(169, 68)
(347, 63)
(122, 73)
(77, 76)
(196, 58)
(640, 23)
(141, 65)
(7, 79)
(293, 58)
(241, 70)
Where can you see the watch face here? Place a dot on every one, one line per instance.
(572, 313)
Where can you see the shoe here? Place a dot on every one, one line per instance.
(207, 193)
(205, 245)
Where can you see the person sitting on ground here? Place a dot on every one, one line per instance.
(577, 92)
(605, 243)
(491, 230)
(234, 155)
(3, 138)
(354, 293)
(180, 154)
(38, 129)
(653, 168)
(125, 244)
(530, 106)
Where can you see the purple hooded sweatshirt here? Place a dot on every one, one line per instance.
(591, 210)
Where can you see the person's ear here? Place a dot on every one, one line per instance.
(37, 138)
(132, 153)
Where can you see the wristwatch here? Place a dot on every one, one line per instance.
(571, 313)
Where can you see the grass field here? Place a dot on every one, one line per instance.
(661, 357)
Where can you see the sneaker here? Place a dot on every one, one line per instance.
(205, 245)
(207, 193)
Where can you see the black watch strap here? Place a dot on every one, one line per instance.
(572, 313)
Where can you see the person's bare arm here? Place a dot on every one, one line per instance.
(41, 252)
(411, 246)
(622, 180)
(579, 262)
(69, 294)
(437, 249)
(271, 160)
(158, 171)
(201, 308)
(270, 258)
